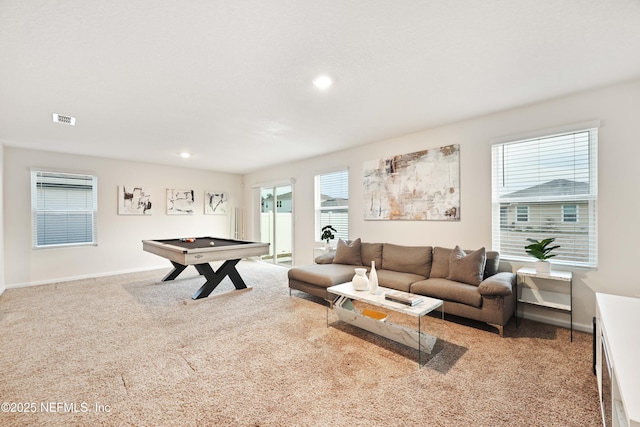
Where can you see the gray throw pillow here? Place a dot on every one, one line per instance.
(348, 253)
(467, 268)
(492, 265)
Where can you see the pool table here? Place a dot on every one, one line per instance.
(199, 252)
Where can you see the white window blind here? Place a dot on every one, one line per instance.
(332, 203)
(539, 186)
(64, 209)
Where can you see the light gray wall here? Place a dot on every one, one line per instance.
(619, 150)
(119, 246)
(2, 279)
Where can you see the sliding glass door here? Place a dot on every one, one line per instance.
(276, 223)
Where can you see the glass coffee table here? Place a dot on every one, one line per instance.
(375, 322)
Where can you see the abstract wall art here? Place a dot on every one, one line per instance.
(133, 200)
(216, 203)
(179, 202)
(424, 185)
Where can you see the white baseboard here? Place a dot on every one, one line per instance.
(559, 322)
(83, 277)
(92, 276)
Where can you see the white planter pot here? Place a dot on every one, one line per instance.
(543, 267)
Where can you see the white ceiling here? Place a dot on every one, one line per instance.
(230, 81)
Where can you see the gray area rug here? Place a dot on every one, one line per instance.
(132, 350)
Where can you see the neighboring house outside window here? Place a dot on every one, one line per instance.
(64, 209)
(503, 216)
(283, 204)
(569, 213)
(547, 187)
(332, 203)
(522, 213)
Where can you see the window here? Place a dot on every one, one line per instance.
(332, 203)
(522, 213)
(538, 188)
(503, 216)
(64, 209)
(569, 213)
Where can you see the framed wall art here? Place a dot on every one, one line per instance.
(424, 185)
(180, 202)
(133, 200)
(216, 203)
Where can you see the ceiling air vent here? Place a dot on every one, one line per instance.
(65, 120)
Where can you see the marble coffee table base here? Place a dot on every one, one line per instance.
(416, 339)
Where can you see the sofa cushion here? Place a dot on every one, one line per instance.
(440, 263)
(500, 284)
(467, 268)
(396, 280)
(371, 252)
(348, 252)
(448, 290)
(325, 258)
(323, 275)
(407, 259)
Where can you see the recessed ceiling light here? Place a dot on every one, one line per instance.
(185, 155)
(322, 82)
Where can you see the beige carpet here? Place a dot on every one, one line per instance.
(131, 350)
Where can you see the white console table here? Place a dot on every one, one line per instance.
(617, 365)
(531, 294)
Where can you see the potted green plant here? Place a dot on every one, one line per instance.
(327, 234)
(541, 249)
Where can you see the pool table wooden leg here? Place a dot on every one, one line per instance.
(214, 278)
(177, 269)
